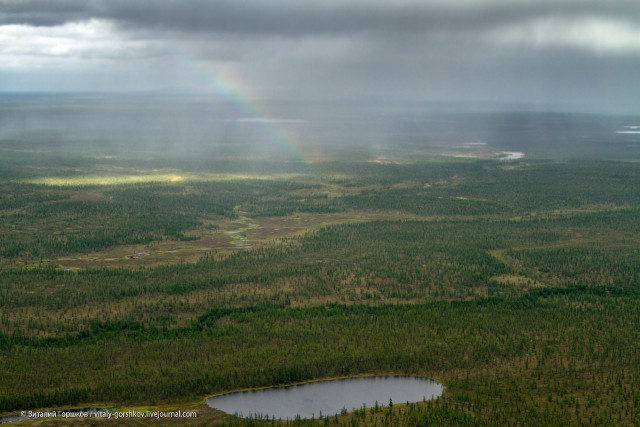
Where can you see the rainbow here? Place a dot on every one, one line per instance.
(238, 92)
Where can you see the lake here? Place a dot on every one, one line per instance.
(326, 397)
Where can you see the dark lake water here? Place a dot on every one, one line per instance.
(326, 397)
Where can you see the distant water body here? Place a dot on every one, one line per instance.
(511, 155)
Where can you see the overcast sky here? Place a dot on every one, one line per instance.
(571, 54)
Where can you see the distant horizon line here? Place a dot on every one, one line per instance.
(447, 105)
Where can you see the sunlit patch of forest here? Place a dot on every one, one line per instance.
(515, 284)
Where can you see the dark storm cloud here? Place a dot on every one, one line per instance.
(560, 52)
(42, 12)
(280, 17)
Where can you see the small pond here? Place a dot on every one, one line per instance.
(326, 397)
